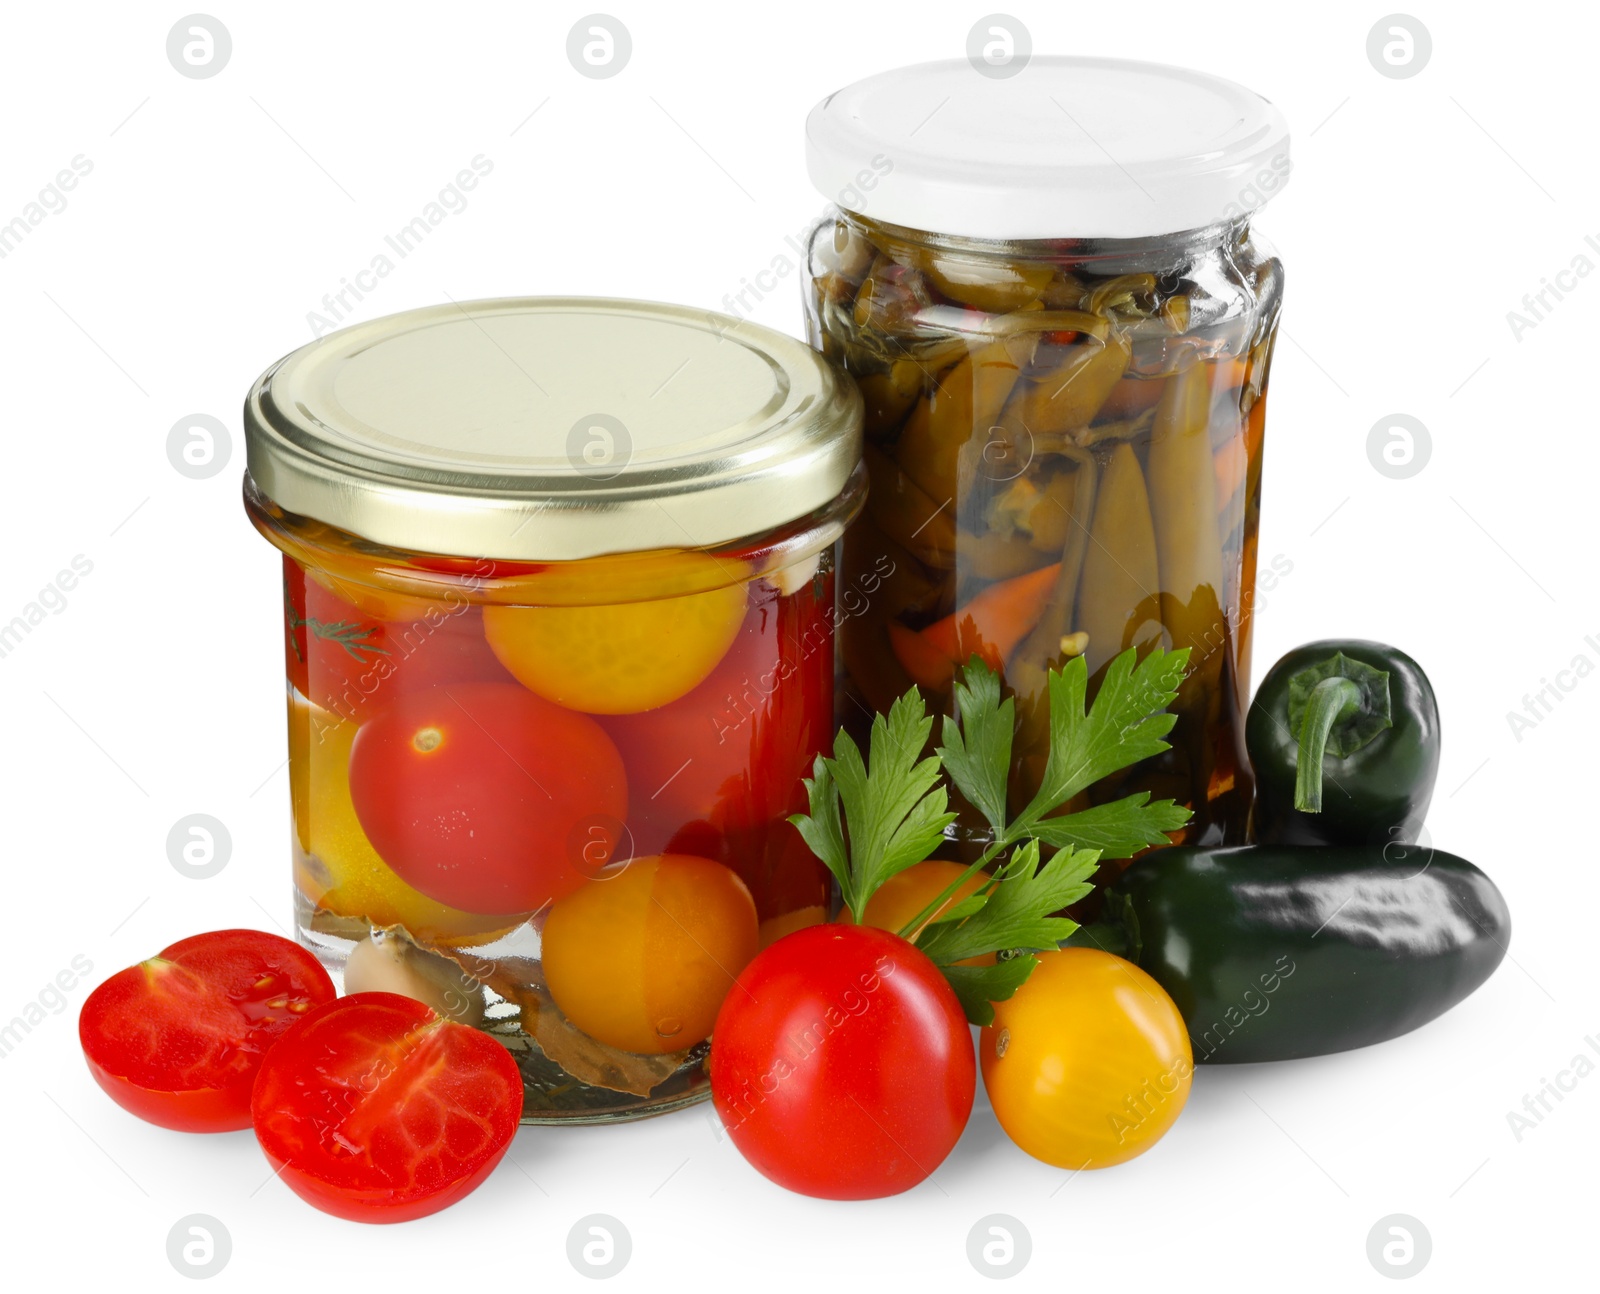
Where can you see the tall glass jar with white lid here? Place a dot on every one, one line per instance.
(1049, 289)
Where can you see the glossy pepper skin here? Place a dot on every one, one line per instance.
(1274, 952)
(1375, 794)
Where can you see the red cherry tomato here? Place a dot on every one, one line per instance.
(717, 772)
(350, 663)
(841, 1063)
(486, 797)
(681, 755)
(336, 867)
(379, 1110)
(177, 1039)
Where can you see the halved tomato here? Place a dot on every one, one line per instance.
(177, 1039)
(377, 1109)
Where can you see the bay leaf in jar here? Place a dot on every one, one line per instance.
(586, 1059)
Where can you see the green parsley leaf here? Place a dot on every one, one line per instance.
(978, 987)
(976, 751)
(977, 756)
(1128, 722)
(822, 829)
(1017, 914)
(1118, 829)
(965, 907)
(896, 812)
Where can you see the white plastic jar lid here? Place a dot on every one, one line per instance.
(1065, 148)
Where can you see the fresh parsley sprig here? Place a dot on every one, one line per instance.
(872, 818)
(897, 811)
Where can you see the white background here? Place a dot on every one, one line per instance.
(218, 214)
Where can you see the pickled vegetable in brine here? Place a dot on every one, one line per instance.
(1064, 446)
(559, 818)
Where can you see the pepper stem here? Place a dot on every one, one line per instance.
(1333, 699)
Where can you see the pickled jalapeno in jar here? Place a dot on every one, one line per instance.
(558, 617)
(1049, 291)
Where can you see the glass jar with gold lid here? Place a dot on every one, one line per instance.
(559, 613)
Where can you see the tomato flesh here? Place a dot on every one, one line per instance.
(842, 1064)
(483, 795)
(177, 1040)
(379, 1110)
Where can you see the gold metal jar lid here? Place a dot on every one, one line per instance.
(552, 428)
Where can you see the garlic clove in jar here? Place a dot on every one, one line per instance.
(389, 963)
(794, 577)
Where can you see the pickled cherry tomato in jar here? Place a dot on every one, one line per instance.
(559, 607)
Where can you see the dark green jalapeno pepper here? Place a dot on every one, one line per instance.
(1273, 952)
(1344, 739)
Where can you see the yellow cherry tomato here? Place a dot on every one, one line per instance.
(337, 868)
(641, 959)
(1088, 1064)
(620, 658)
(774, 928)
(906, 893)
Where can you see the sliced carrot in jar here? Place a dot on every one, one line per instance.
(989, 626)
(926, 664)
(994, 621)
